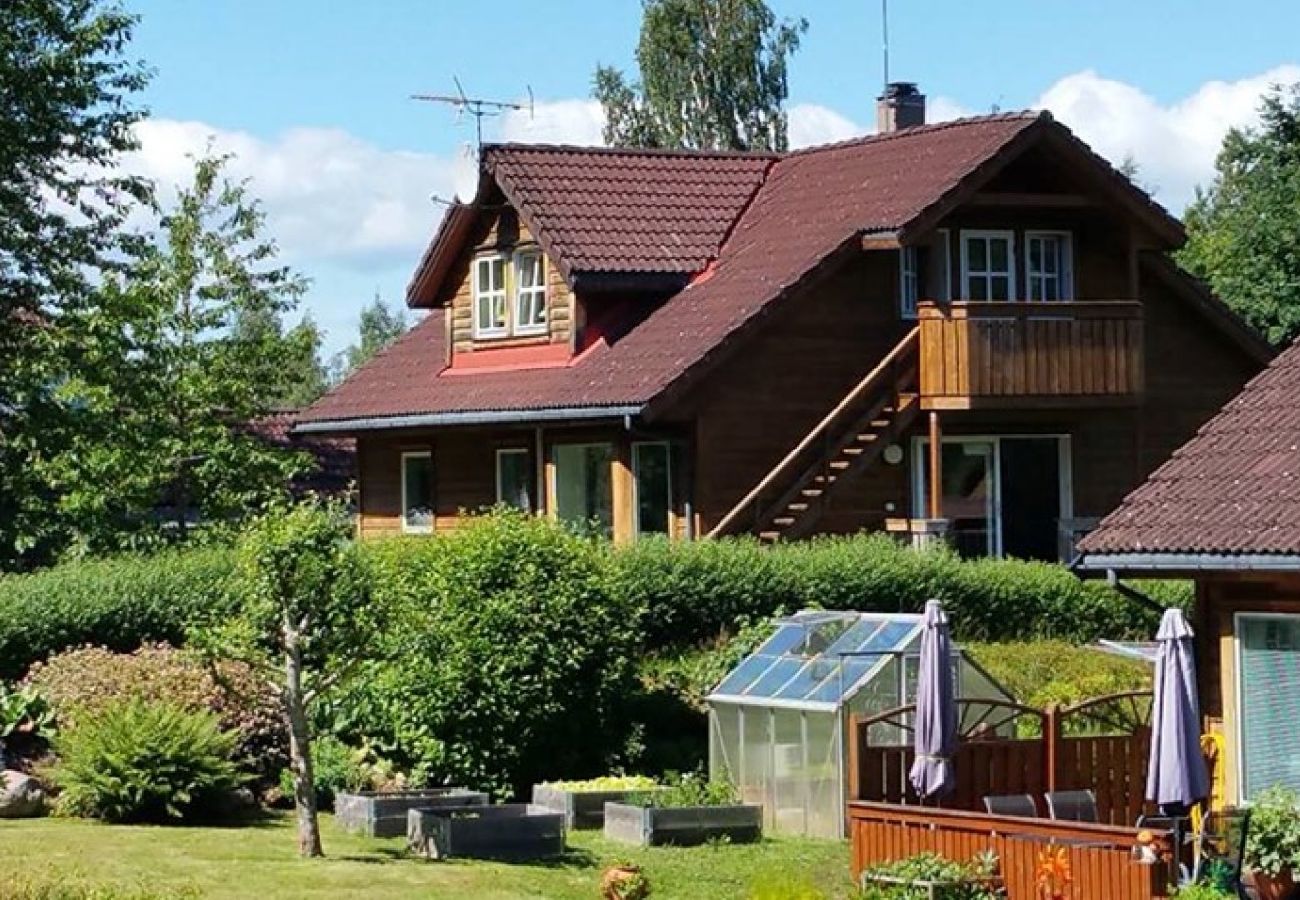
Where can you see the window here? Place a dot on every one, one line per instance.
(988, 265)
(908, 282)
(515, 479)
(417, 492)
(1047, 261)
(530, 292)
(584, 493)
(490, 296)
(938, 268)
(652, 477)
(1268, 701)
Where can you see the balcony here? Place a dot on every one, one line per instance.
(1027, 354)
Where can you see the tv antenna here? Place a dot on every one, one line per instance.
(477, 107)
(884, 31)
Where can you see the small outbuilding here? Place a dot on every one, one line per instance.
(779, 721)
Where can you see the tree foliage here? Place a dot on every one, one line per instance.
(176, 358)
(713, 76)
(381, 324)
(66, 113)
(1244, 229)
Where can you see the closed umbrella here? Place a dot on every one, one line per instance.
(932, 773)
(1176, 776)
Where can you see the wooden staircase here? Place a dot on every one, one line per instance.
(877, 412)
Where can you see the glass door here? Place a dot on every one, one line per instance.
(969, 493)
(1268, 700)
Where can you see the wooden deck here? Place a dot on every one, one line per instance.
(1027, 354)
(1100, 856)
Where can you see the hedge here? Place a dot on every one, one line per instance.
(687, 593)
(119, 603)
(692, 592)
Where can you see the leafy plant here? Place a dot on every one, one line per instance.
(338, 768)
(89, 679)
(143, 762)
(689, 790)
(1273, 842)
(605, 783)
(907, 878)
(1201, 892)
(22, 709)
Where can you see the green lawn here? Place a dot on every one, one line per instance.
(259, 861)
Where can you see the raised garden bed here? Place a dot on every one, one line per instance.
(384, 814)
(511, 831)
(895, 886)
(584, 806)
(682, 825)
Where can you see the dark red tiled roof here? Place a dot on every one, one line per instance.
(810, 204)
(1232, 489)
(603, 210)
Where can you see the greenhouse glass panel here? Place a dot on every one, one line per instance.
(789, 775)
(755, 756)
(825, 803)
(745, 674)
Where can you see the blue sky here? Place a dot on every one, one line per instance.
(314, 95)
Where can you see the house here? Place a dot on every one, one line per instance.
(1225, 510)
(708, 343)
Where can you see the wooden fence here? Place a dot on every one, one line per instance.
(1061, 750)
(1100, 857)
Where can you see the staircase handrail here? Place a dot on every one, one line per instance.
(867, 387)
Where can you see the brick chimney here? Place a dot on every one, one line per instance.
(900, 106)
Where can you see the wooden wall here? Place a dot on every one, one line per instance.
(503, 231)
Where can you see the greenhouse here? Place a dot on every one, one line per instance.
(779, 721)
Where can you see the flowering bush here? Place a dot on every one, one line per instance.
(87, 680)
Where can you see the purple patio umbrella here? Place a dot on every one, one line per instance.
(932, 773)
(1176, 776)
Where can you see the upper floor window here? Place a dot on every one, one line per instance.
(490, 295)
(510, 294)
(909, 284)
(1048, 265)
(530, 292)
(988, 265)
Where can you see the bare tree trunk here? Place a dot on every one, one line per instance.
(304, 784)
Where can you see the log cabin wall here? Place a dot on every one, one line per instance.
(761, 401)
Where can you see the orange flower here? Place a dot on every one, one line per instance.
(1053, 874)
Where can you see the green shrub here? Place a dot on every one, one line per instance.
(689, 790)
(23, 710)
(966, 880)
(118, 603)
(509, 664)
(338, 768)
(1038, 673)
(143, 762)
(89, 679)
(1273, 840)
(693, 591)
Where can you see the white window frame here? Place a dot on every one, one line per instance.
(479, 295)
(909, 282)
(505, 451)
(1065, 476)
(520, 327)
(1239, 726)
(407, 527)
(637, 446)
(985, 234)
(1065, 278)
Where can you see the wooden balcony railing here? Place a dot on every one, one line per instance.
(1027, 353)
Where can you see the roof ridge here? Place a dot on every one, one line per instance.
(1026, 115)
(630, 151)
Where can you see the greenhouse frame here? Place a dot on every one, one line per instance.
(779, 721)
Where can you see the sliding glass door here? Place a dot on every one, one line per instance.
(584, 494)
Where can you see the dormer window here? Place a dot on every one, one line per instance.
(530, 292)
(490, 296)
(510, 294)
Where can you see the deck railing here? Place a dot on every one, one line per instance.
(977, 354)
(1101, 857)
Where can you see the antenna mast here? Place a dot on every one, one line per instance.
(477, 107)
(884, 30)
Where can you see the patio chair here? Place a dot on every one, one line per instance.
(1021, 805)
(1220, 848)
(1072, 806)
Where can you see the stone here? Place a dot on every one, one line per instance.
(21, 796)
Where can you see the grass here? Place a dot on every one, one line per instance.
(260, 861)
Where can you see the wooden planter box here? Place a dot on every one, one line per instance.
(510, 831)
(384, 815)
(583, 809)
(934, 890)
(682, 825)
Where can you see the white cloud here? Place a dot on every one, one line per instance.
(1174, 145)
(578, 122)
(811, 124)
(327, 194)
